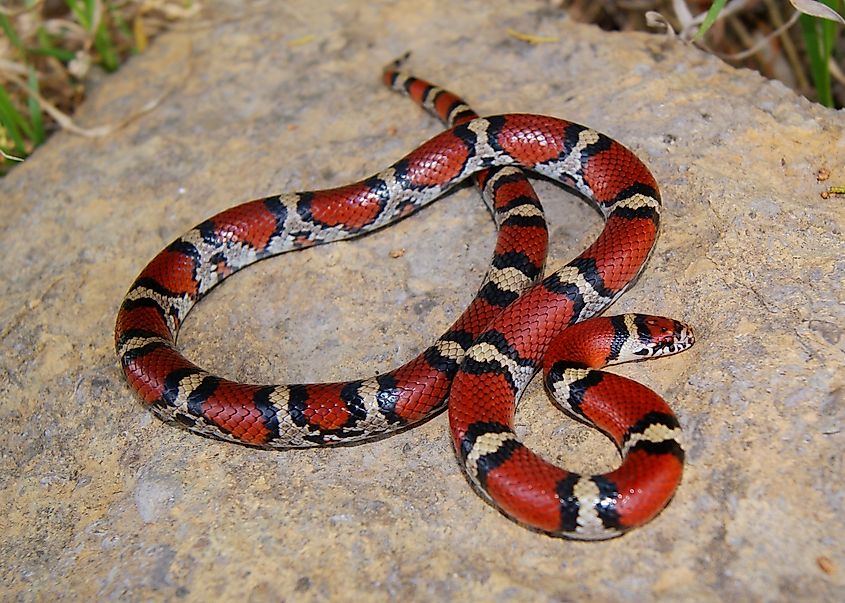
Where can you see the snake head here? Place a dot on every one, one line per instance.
(660, 336)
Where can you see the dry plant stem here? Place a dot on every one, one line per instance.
(836, 71)
(753, 47)
(741, 32)
(64, 121)
(762, 43)
(68, 30)
(5, 155)
(788, 47)
(11, 67)
(88, 40)
(683, 14)
(656, 20)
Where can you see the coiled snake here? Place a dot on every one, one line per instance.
(482, 364)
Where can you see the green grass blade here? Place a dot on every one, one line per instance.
(710, 18)
(79, 12)
(10, 32)
(829, 31)
(818, 59)
(90, 8)
(48, 49)
(105, 48)
(10, 119)
(84, 11)
(15, 115)
(35, 115)
(65, 56)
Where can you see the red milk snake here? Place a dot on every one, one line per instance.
(482, 364)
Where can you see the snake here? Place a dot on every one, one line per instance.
(518, 323)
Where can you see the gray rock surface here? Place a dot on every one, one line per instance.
(100, 501)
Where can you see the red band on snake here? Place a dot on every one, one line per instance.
(482, 364)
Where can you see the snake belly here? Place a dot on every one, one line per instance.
(483, 362)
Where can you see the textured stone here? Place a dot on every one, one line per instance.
(102, 502)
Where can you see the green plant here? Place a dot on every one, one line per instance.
(819, 37)
(89, 14)
(49, 50)
(24, 128)
(22, 123)
(820, 22)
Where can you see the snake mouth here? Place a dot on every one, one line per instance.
(682, 339)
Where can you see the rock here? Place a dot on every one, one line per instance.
(102, 502)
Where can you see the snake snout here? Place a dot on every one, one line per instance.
(686, 336)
